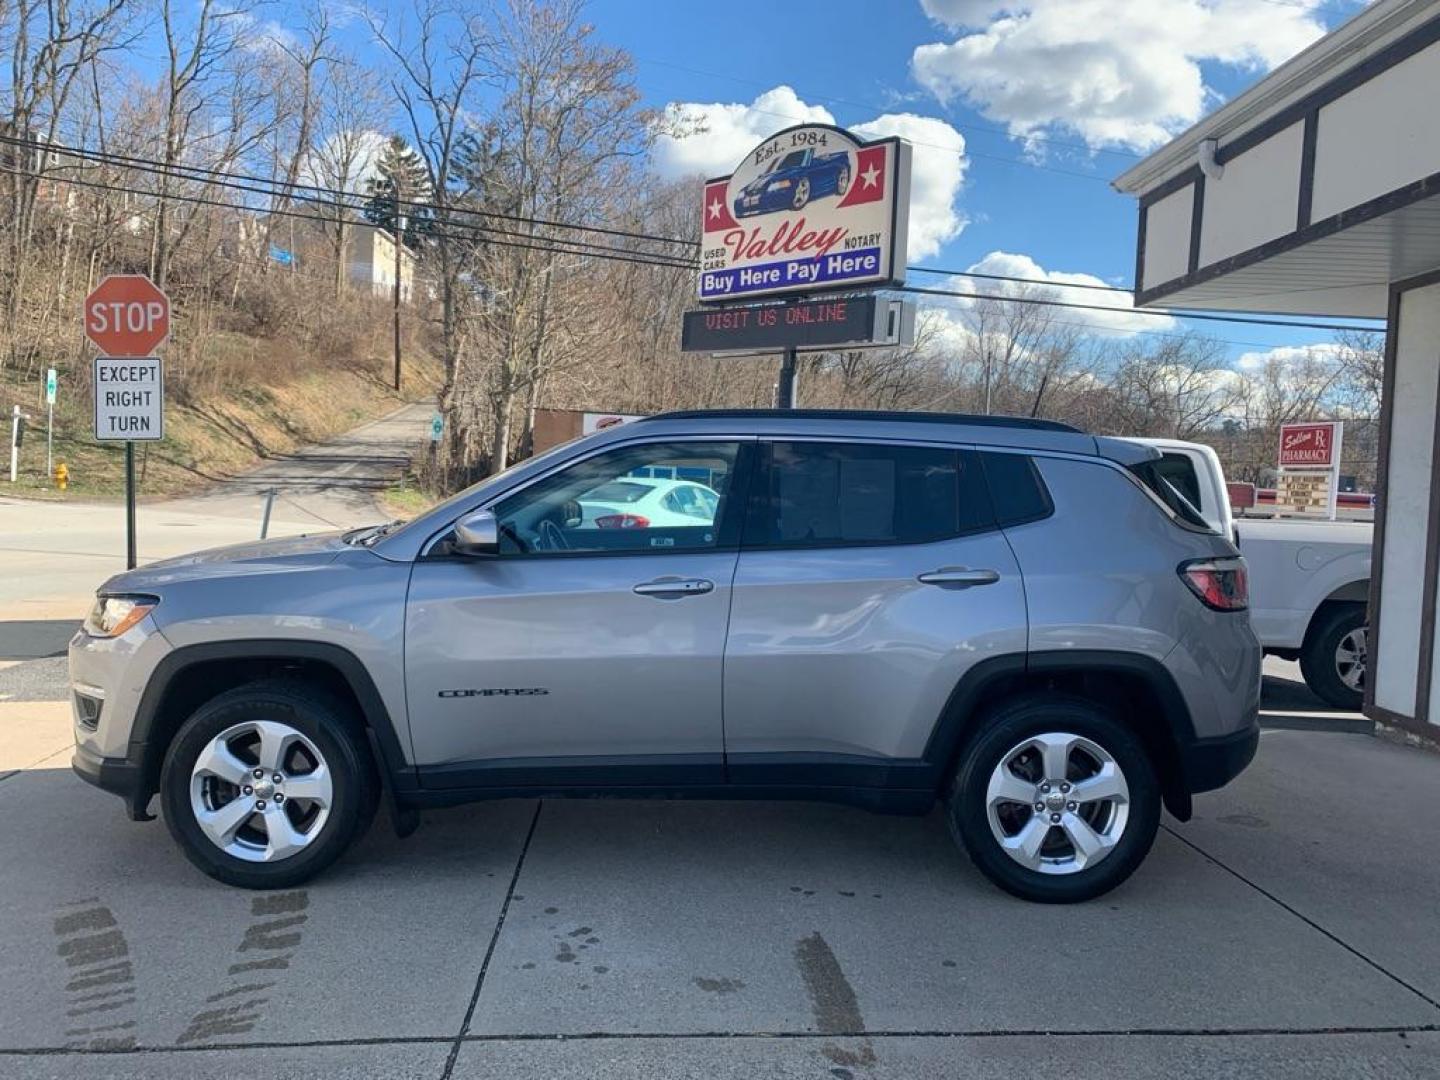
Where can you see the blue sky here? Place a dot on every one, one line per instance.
(1052, 99)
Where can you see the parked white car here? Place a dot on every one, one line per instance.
(645, 502)
(1309, 580)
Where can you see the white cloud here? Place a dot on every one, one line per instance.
(937, 171)
(723, 133)
(1118, 73)
(355, 152)
(730, 131)
(1121, 318)
(1324, 352)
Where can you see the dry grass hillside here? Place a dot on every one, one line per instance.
(244, 399)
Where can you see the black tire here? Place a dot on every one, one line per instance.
(1318, 659)
(802, 194)
(320, 718)
(1011, 724)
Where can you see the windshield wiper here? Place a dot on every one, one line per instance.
(366, 536)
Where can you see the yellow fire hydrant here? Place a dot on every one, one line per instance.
(62, 476)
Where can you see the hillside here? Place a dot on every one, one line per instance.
(261, 398)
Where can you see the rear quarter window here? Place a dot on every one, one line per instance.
(1153, 475)
(1016, 489)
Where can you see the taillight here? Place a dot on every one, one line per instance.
(1221, 584)
(622, 521)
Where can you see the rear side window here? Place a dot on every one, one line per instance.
(1180, 471)
(813, 494)
(1153, 474)
(1016, 488)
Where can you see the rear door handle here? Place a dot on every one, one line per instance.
(959, 576)
(674, 587)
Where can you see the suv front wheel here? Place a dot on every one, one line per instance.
(265, 785)
(1055, 801)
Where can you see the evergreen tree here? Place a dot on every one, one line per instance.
(400, 179)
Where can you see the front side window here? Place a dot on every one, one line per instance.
(836, 494)
(623, 500)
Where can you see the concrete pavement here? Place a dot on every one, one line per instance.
(1288, 930)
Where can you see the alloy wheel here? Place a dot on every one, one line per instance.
(1350, 659)
(261, 791)
(1057, 803)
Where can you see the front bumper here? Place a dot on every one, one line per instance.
(1208, 764)
(119, 776)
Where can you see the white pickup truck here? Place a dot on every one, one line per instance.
(1309, 580)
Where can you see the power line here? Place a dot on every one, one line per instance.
(583, 248)
(200, 174)
(1021, 280)
(552, 248)
(1251, 320)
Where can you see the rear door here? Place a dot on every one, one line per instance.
(871, 577)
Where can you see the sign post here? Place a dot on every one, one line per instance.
(812, 209)
(16, 430)
(1309, 479)
(50, 386)
(127, 317)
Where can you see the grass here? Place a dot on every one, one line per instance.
(405, 500)
(208, 436)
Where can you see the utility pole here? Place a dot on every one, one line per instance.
(395, 293)
(785, 388)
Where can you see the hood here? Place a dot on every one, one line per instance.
(254, 557)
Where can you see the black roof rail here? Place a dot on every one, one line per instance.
(892, 416)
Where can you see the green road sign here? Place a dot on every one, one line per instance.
(437, 427)
(50, 384)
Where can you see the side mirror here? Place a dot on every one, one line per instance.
(477, 534)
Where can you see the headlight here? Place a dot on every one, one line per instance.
(779, 185)
(113, 615)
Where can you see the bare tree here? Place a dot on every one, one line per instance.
(51, 48)
(344, 148)
(444, 56)
(1178, 387)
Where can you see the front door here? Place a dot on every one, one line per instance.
(590, 649)
(872, 577)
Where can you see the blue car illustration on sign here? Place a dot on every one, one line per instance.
(793, 180)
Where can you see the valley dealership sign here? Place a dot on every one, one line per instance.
(809, 209)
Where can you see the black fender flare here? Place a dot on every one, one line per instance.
(962, 714)
(397, 774)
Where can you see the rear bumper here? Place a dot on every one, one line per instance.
(1208, 764)
(115, 775)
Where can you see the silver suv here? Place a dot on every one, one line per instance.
(1022, 622)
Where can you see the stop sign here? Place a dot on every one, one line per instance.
(127, 315)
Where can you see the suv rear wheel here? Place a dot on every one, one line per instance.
(265, 785)
(1055, 801)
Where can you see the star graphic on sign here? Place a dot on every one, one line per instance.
(870, 176)
(716, 207)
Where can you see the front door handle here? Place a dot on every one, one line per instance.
(669, 588)
(959, 576)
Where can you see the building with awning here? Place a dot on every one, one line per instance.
(1317, 192)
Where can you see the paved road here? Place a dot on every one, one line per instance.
(1287, 931)
(53, 555)
(332, 483)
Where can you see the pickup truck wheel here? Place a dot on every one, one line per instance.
(1055, 801)
(264, 786)
(1334, 657)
